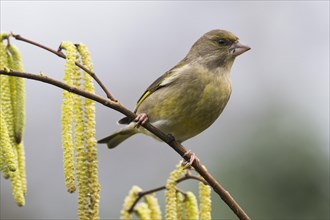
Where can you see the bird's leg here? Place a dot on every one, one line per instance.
(141, 119)
(192, 158)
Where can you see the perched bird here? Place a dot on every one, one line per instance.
(188, 98)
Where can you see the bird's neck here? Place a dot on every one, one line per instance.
(216, 66)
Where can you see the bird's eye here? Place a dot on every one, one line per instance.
(222, 42)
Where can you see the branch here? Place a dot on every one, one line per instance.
(187, 176)
(60, 54)
(169, 139)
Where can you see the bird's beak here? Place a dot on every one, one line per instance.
(237, 49)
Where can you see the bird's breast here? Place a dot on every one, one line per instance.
(190, 104)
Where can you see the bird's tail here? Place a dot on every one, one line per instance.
(118, 137)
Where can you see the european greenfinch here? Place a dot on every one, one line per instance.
(188, 98)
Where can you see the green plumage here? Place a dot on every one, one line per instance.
(189, 97)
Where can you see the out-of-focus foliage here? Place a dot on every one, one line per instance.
(282, 173)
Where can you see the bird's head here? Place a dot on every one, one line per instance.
(217, 48)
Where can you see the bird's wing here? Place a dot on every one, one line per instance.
(164, 80)
(158, 83)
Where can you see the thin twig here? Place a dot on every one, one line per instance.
(62, 55)
(169, 139)
(187, 176)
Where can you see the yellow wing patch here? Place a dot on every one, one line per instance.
(143, 97)
(164, 80)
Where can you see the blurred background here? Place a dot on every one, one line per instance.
(269, 148)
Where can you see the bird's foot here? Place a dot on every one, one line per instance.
(141, 119)
(191, 160)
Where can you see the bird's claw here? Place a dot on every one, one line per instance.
(141, 119)
(191, 160)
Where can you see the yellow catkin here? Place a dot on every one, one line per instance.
(6, 102)
(18, 103)
(12, 111)
(152, 202)
(19, 95)
(7, 112)
(170, 193)
(67, 118)
(143, 212)
(2, 64)
(81, 158)
(191, 207)
(128, 202)
(3, 36)
(205, 201)
(179, 206)
(3, 54)
(21, 165)
(2, 134)
(16, 185)
(7, 150)
(83, 113)
(12, 88)
(90, 132)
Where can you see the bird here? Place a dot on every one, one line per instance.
(188, 98)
